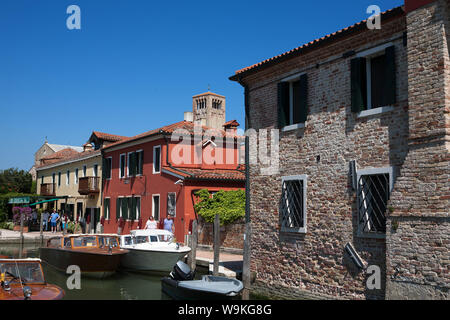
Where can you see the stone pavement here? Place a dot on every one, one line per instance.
(9, 236)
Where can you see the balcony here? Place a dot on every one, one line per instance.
(48, 189)
(89, 185)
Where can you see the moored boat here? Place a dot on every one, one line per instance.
(23, 279)
(151, 250)
(180, 285)
(97, 255)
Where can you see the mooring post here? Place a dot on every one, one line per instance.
(21, 234)
(41, 228)
(216, 245)
(193, 239)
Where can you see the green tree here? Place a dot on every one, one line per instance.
(15, 180)
(230, 205)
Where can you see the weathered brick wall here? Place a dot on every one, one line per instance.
(231, 235)
(418, 251)
(314, 264)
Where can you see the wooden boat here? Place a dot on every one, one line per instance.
(23, 279)
(180, 285)
(151, 250)
(97, 255)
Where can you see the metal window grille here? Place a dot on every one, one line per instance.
(373, 195)
(292, 205)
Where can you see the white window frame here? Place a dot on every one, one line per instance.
(369, 54)
(292, 126)
(93, 170)
(367, 172)
(120, 207)
(76, 176)
(154, 156)
(128, 163)
(84, 171)
(304, 178)
(124, 167)
(59, 179)
(159, 206)
(67, 177)
(140, 174)
(167, 209)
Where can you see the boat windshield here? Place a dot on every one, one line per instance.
(84, 242)
(165, 238)
(29, 272)
(106, 241)
(140, 239)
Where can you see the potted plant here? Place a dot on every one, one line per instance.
(17, 213)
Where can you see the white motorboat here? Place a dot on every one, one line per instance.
(151, 250)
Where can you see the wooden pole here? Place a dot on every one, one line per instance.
(41, 227)
(192, 262)
(216, 245)
(21, 235)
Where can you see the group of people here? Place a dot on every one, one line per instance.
(168, 224)
(56, 221)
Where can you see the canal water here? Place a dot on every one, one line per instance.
(123, 285)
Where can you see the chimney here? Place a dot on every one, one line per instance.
(87, 147)
(188, 116)
(231, 126)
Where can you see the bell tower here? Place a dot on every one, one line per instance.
(209, 110)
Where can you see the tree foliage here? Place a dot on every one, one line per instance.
(15, 180)
(230, 205)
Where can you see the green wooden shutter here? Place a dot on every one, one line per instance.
(138, 208)
(104, 169)
(106, 209)
(133, 209)
(118, 204)
(303, 98)
(132, 164)
(358, 84)
(124, 208)
(141, 163)
(283, 104)
(389, 84)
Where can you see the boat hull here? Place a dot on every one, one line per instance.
(170, 287)
(148, 260)
(39, 292)
(92, 263)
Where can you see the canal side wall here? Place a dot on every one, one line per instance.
(231, 235)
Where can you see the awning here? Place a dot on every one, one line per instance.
(33, 204)
(19, 200)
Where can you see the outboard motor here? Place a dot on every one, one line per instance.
(182, 272)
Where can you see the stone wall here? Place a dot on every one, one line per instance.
(314, 265)
(418, 246)
(231, 236)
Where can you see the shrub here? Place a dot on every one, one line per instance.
(230, 205)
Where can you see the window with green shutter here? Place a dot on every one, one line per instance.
(106, 208)
(139, 162)
(293, 101)
(124, 208)
(133, 208)
(373, 80)
(132, 164)
(118, 207)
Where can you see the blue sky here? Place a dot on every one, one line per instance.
(135, 65)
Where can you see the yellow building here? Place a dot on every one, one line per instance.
(77, 177)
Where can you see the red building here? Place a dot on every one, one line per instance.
(157, 173)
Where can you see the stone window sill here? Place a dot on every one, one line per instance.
(294, 127)
(371, 112)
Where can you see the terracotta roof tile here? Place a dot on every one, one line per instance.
(398, 11)
(183, 125)
(209, 174)
(108, 136)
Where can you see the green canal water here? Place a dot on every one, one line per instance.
(123, 285)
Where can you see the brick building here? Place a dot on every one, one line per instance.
(363, 160)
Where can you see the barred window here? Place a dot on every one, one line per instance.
(293, 204)
(374, 188)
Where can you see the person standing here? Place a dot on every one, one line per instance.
(54, 218)
(45, 217)
(64, 223)
(168, 224)
(151, 223)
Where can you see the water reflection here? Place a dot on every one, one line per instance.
(121, 286)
